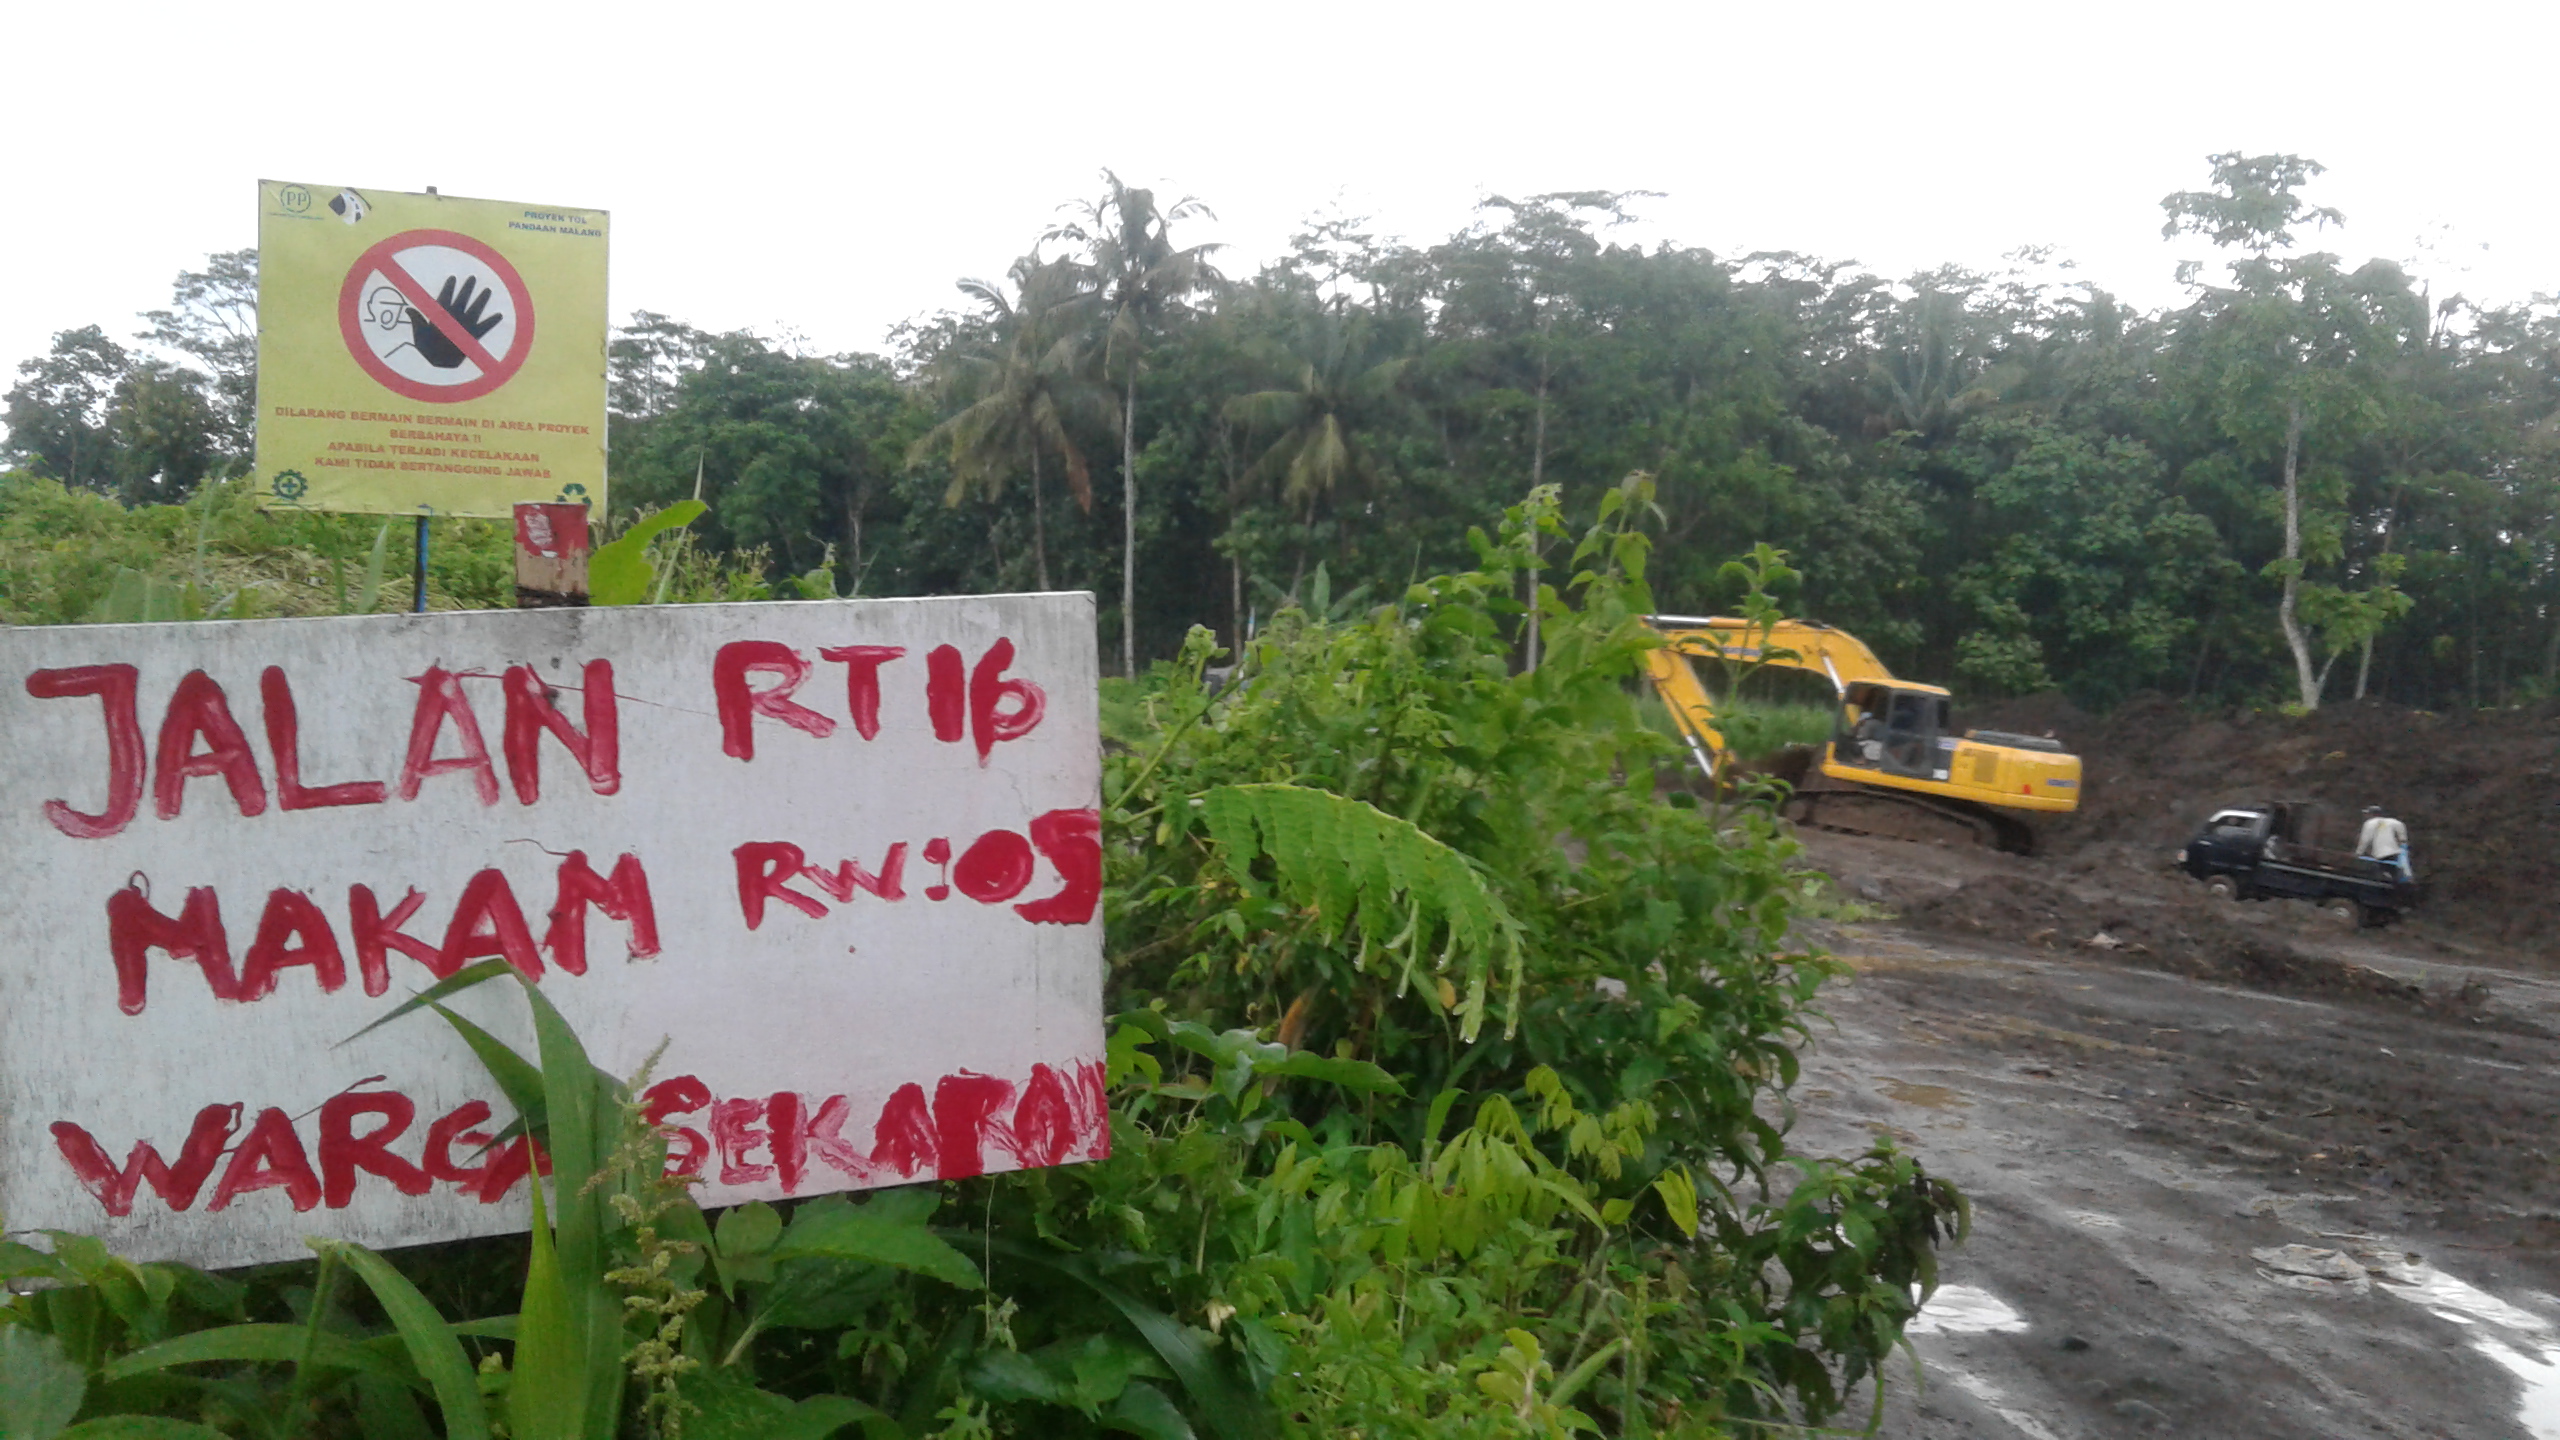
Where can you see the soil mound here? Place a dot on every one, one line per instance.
(2480, 793)
(2166, 923)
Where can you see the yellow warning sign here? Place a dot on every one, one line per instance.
(428, 353)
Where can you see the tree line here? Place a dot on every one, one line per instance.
(2311, 480)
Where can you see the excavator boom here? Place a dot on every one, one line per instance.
(1787, 645)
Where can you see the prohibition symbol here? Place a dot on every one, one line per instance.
(436, 316)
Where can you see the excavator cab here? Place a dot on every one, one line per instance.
(1896, 728)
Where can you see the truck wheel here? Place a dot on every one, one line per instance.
(2221, 888)
(2344, 911)
(2372, 917)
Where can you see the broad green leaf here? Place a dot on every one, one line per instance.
(271, 1344)
(25, 1262)
(1143, 1410)
(1571, 1382)
(517, 1078)
(1003, 1375)
(684, 1225)
(885, 1231)
(1233, 1411)
(1086, 1373)
(580, 1104)
(619, 573)
(575, 1130)
(816, 1292)
(376, 561)
(1679, 1199)
(1124, 1059)
(138, 1427)
(902, 1204)
(1103, 1365)
(432, 1346)
(745, 1238)
(86, 1255)
(730, 1406)
(547, 1397)
(454, 984)
(820, 1416)
(385, 1411)
(1358, 1076)
(734, 1409)
(40, 1387)
(1439, 1116)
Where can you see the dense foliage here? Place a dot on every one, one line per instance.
(2005, 480)
(1448, 1089)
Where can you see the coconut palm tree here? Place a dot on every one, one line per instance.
(1333, 380)
(1023, 396)
(1140, 275)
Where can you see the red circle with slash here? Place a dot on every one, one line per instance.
(384, 260)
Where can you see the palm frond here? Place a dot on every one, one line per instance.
(988, 294)
(1267, 409)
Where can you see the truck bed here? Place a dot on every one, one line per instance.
(2308, 874)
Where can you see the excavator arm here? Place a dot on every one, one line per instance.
(1787, 645)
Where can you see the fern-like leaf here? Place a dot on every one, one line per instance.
(1361, 869)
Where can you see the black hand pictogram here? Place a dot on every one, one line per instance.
(463, 309)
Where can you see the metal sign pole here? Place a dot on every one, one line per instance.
(418, 593)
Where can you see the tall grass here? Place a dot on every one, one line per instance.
(68, 555)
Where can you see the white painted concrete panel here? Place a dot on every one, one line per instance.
(929, 990)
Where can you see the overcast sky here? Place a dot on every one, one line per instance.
(829, 169)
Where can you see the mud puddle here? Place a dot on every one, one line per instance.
(1965, 1310)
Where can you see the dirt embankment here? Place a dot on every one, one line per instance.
(2167, 922)
(2479, 792)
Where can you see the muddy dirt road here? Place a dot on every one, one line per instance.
(2235, 1172)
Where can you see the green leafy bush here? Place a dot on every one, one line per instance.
(1625, 959)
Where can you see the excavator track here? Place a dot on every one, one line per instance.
(1886, 814)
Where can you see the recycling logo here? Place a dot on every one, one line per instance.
(436, 316)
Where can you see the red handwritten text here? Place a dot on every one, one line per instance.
(996, 867)
(971, 1124)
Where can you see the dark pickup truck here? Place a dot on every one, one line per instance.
(2257, 852)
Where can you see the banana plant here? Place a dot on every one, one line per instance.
(620, 573)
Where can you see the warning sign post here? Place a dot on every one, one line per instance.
(427, 354)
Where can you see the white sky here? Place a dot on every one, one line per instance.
(829, 169)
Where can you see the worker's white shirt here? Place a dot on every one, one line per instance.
(2383, 838)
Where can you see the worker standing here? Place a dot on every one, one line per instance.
(2386, 840)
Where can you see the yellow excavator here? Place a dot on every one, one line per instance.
(1895, 764)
